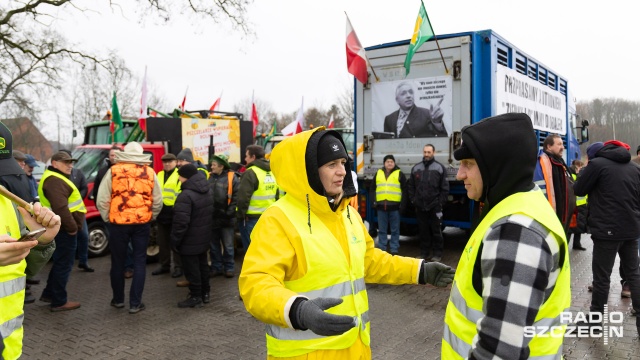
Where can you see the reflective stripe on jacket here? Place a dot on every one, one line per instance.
(464, 309)
(76, 203)
(131, 194)
(12, 284)
(265, 195)
(171, 188)
(328, 276)
(388, 188)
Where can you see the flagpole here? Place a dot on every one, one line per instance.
(373, 71)
(436, 38)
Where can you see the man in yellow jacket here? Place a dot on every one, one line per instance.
(305, 272)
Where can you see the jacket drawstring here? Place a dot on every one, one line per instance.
(309, 214)
(349, 215)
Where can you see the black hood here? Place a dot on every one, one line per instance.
(505, 149)
(614, 153)
(197, 183)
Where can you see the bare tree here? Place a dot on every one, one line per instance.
(346, 106)
(266, 115)
(31, 54)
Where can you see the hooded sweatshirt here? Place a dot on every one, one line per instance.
(613, 185)
(277, 254)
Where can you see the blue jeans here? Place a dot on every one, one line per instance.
(63, 258)
(222, 256)
(391, 218)
(246, 227)
(83, 244)
(120, 236)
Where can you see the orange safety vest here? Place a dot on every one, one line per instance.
(131, 194)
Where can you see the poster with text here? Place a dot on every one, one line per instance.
(518, 93)
(196, 135)
(414, 108)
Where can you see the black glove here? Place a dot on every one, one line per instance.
(437, 274)
(310, 314)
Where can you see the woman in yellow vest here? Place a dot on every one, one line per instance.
(304, 274)
(512, 281)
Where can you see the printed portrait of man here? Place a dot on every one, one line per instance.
(411, 121)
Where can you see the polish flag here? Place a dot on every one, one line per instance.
(142, 119)
(356, 57)
(297, 126)
(331, 124)
(216, 104)
(254, 117)
(184, 99)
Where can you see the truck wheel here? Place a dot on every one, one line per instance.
(98, 238)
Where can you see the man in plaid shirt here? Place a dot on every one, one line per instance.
(513, 279)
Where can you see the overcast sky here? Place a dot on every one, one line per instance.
(299, 47)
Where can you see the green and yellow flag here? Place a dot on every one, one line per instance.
(421, 33)
(116, 121)
(271, 133)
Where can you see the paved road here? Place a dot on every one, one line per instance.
(406, 320)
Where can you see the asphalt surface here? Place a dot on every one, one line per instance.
(407, 320)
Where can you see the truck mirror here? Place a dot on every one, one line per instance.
(584, 135)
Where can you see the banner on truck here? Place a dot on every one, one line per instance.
(518, 93)
(412, 108)
(196, 134)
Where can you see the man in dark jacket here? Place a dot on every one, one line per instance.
(388, 189)
(613, 186)
(554, 178)
(257, 191)
(191, 231)
(428, 189)
(224, 185)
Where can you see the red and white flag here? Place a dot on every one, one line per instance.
(356, 57)
(216, 104)
(331, 124)
(142, 119)
(184, 99)
(254, 116)
(297, 126)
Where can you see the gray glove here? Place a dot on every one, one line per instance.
(311, 315)
(437, 274)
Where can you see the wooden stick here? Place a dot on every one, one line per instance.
(16, 199)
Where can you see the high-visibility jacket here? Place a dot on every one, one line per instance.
(580, 201)
(170, 188)
(266, 193)
(75, 199)
(12, 284)
(131, 194)
(464, 309)
(328, 276)
(388, 188)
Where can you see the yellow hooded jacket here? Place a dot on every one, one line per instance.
(277, 255)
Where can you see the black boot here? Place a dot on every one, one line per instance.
(191, 302)
(206, 298)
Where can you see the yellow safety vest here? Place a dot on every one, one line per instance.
(388, 188)
(75, 200)
(12, 284)
(265, 195)
(171, 188)
(328, 275)
(580, 200)
(464, 309)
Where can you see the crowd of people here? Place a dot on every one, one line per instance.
(308, 254)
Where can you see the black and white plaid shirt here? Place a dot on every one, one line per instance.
(520, 264)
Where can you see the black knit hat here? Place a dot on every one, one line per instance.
(389, 157)
(187, 170)
(330, 148)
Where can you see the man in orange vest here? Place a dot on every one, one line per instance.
(129, 198)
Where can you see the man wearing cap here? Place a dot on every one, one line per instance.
(58, 192)
(224, 184)
(428, 189)
(388, 188)
(15, 222)
(257, 191)
(170, 184)
(29, 164)
(612, 183)
(554, 178)
(14, 178)
(513, 280)
(129, 198)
